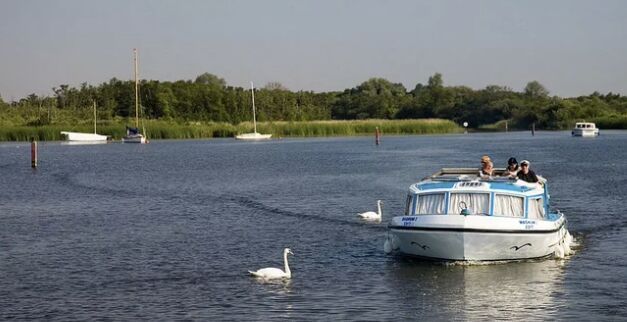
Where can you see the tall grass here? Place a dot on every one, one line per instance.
(156, 129)
(359, 127)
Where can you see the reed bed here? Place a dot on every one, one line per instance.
(359, 127)
(156, 129)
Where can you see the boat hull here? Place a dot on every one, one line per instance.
(585, 132)
(476, 238)
(137, 138)
(83, 137)
(253, 136)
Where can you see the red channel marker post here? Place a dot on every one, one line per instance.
(33, 153)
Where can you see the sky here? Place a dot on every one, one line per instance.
(571, 47)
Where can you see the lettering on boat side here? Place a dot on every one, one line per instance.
(407, 221)
(516, 248)
(528, 223)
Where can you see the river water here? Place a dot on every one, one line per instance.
(168, 231)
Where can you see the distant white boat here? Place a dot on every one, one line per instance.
(585, 129)
(253, 136)
(85, 137)
(132, 133)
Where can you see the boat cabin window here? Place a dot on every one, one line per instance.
(510, 206)
(408, 204)
(535, 208)
(430, 204)
(476, 203)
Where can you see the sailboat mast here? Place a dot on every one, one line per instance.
(95, 117)
(252, 91)
(136, 90)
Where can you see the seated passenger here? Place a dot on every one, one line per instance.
(525, 173)
(512, 168)
(487, 167)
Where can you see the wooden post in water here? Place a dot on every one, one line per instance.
(533, 128)
(33, 153)
(377, 136)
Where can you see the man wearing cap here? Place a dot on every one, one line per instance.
(525, 173)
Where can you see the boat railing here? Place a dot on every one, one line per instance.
(468, 174)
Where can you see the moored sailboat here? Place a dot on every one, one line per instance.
(85, 137)
(132, 133)
(255, 136)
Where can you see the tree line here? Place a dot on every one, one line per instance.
(208, 98)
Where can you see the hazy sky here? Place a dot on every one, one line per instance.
(571, 47)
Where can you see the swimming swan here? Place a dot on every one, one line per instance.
(274, 273)
(371, 215)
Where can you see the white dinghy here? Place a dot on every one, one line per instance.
(455, 215)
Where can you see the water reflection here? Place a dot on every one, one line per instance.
(83, 142)
(276, 286)
(277, 296)
(520, 290)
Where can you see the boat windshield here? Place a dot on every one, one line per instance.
(510, 206)
(431, 204)
(476, 203)
(536, 208)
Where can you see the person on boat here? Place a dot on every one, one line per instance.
(512, 168)
(487, 167)
(525, 173)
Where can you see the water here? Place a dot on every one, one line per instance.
(167, 231)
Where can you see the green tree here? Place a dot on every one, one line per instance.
(210, 79)
(536, 90)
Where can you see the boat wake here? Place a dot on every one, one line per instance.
(565, 247)
(249, 203)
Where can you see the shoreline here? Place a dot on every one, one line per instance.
(156, 130)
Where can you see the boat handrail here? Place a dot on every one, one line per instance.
(467, 174)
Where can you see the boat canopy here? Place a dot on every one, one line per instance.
(451, 190)
(585, 125)
(132, 130)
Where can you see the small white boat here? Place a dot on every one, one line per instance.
(85, 137)
(454, 215)
(133, 136)
(253, 136)
(585, 129)
(132, 133)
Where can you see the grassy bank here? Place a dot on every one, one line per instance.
(197, 130)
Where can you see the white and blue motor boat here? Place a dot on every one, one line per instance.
(454, 215)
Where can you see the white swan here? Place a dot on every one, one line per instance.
(371, 215)
(274, 273)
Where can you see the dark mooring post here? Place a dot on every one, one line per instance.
(377, 136)
(533, 128)
(33, 153)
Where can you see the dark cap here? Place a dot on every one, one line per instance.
(512, 161)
